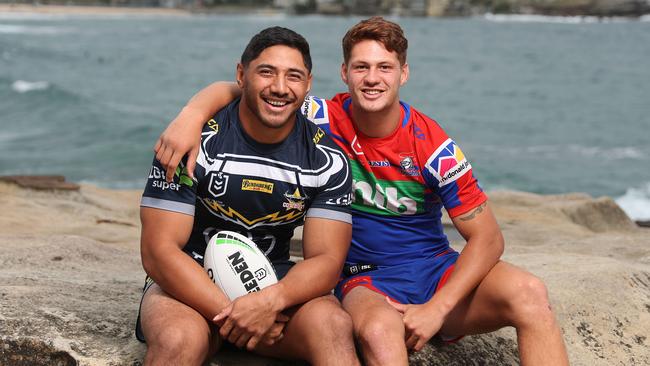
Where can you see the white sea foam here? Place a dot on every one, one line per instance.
(22, 86)
(644, 18)
(636, 202)
(534, 18)
(32, 29)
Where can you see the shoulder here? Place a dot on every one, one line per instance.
(317, 135)
(425, 128)
(220, 125)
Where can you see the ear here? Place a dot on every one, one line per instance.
(309, 80)
(344, 73)
(405, 74)
(239, 75)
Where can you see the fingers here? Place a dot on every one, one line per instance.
(158, 145)
(164, 155)
(252, 343)
(226, 329)
(271, 341)
(420, 344)
(227, 325)
(281, 318)
(411, 341)
(170, 167)
(240, 339)
(223, 314)
(160, 151)
(191, 161)
(274, 334)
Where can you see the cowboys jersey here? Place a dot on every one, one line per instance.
(263, 191)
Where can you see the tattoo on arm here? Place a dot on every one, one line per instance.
(475, 212)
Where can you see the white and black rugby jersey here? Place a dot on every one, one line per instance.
(259, 190)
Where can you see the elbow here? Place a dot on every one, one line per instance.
(147, 256)
(498, 243)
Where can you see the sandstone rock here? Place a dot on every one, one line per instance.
(70, 279)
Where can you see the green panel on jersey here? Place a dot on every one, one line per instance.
(385, 197)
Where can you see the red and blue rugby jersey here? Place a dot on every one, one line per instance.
(401, 182)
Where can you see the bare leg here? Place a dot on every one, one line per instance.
(510, 296)
(378, 327)
(319, 332)
(175, 333)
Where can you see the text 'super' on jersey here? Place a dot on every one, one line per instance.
(259, 190)
(400, 183)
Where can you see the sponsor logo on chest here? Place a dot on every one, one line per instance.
(256, 186)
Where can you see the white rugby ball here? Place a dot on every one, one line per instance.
(236, 265)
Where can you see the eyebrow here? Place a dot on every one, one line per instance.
(291, 69)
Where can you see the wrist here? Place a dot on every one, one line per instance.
(275, 295)
(440, 306)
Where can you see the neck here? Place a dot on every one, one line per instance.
(261, 132)
(377, 124)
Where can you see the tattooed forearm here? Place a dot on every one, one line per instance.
(475, 212)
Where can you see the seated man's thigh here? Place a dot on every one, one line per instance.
(168, 323)
(317, 326)
(490, 306)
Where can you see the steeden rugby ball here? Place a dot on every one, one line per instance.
(236, 265)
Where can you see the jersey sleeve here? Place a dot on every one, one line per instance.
(449, 174)
(176, 196)
(334, 195)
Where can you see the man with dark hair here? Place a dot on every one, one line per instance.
(402, 282)
(257, 141)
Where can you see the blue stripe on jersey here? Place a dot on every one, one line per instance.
(407, 113)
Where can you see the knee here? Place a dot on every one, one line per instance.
(335, 322)
(530, 301)
(174, 345)
(377, 332)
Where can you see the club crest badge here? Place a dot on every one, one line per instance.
(407, 166)
(295, 201)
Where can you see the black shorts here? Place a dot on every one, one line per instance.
(281, 270)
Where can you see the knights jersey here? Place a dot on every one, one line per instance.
(263, 191)
(401, 182)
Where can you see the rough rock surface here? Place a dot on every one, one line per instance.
(70, 279)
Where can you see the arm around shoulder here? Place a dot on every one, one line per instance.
(183, 135)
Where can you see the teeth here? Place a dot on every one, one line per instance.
(372, 92)
(276, 103)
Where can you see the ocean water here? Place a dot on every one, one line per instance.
(540, 104)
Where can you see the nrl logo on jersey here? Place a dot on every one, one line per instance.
(448, 163)
(294, 201)
(218, 184)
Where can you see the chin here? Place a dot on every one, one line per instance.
(275, 121)
(373, 107)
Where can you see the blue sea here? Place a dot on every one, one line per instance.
(538, 104)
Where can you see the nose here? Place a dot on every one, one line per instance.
(279, 86)
(372, 76)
